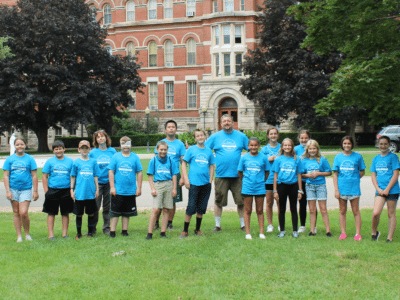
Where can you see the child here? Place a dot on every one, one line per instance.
(102, 153)
(56, 184)
(201, 173)
(20, 173)
(162, 173)
(84, 188)
(348, 168)
(122, 172)
(271, 151)
(303, 137)
(253, 170)
(385, 173)
(287, 183)
(316, 167)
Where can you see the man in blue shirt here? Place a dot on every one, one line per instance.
(227, 145)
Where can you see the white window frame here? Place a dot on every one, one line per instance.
(191, 6)
(192, 97)
(226, 65)
(169, 94)
(168, 9)
(242, 5)
(152, 10)
(109, 49)
(133, 95)
(152, 54)
(153, 95)
(130, 49)
(191, 52)
(237, 65)
(107, 14)
(215, 6)
(229, 5)
(217, 64)
(217, 30)
(240, 36)
(169, 53)
(130, 13)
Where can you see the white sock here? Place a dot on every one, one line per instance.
(241, 222)
(217, 221)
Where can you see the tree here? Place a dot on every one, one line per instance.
(283, 78)
(368, 33)
(61, 72)
(4, 50)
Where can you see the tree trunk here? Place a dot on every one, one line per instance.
(42, 141)
(351, 128)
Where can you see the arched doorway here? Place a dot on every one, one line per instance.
(228, 106)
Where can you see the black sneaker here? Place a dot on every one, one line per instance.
(163, 236)
(216, 229)
(111, 234)
(328, 234)
(156, 226)
(388, 241)
(376, 237)
(125, 234)
(312, 234)
(149, 236)
(243, 228)
(90, 235)
(170, 227)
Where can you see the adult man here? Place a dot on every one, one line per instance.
(227, 145)
(176, 150)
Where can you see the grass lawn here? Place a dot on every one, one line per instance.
(216, 266)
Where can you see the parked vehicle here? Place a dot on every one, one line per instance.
(393, 132)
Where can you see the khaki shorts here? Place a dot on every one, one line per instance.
(223, 185)
(164, 195)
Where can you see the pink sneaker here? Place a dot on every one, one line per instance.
(342, 236)
(357, 237)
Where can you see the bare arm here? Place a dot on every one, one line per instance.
(35, 185)
(266, 175)
(96, 183)
(335, 184)
(73, 178)
(181, 182)
(112, 183)
(211, 170)
(6, 180)
(185, 177)
(299, 194)
(362, 173)
(375, 182)
(276, 195)
(151, 183)
(240, 173)
(174, 186)
(139, 183)
(45, 182)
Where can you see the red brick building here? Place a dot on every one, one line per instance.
(190, 52)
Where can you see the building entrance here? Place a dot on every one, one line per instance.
(228, 106)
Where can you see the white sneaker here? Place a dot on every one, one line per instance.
(248, 237)
(262, 236)
(279, 228)
(28, 238)
(302, 229)
(315, 230)
(270, 228)
(19, 239)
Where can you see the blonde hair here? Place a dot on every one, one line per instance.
(312, 143)
(292, 153)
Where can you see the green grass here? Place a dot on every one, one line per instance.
(216, 266)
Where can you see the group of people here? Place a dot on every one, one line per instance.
(111, 180)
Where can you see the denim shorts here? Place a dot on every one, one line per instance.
(394, 197)
(21, 196)
(316, 191)
(349, 197)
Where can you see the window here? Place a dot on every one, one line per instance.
(238, 34)
(191, 6)
(130, 11)
(241, 5)
(72, 132)
(169, 53)
(152, 10)
(109, 49)
(191, 52)
(169, 95)
(130, 49)
(228, 5)
(192, 94)
(227, 34)
(168, 10)
(238, 64)
(216, 34)
(57, 131)
(93, 11)
(227, 64)
(107, 14)
(215, 6)
(192, 127)
(132, 105)
(153, 95)
(216, 57)
(152, 54)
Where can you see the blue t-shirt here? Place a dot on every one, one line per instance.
(103, 159)
(384, 166)
(312, 165)
(270, 151)
(125, 169)
(253, 168)
(20, 171)
(300, 149)
(348, 168)
(199, 160)
(59, 171)
(162, 169)
(176, 149)
(85, 171)
(287, 169)
(228, 150)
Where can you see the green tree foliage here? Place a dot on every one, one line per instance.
(4, 50)
(125, 125)
(61, 72)
(368, 33)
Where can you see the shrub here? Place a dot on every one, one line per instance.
(187, 136)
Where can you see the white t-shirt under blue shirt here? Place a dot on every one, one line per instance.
(384, 166)
(312, 165)
(253, 168)
(59, 171)
(270, 151)
(103, 158)
(20, 168)
(348, 168)
(228, 150)
(176, 149)
(162, 168)
(85, 171)
(199, 160)
(287, 169)
(125, 169)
